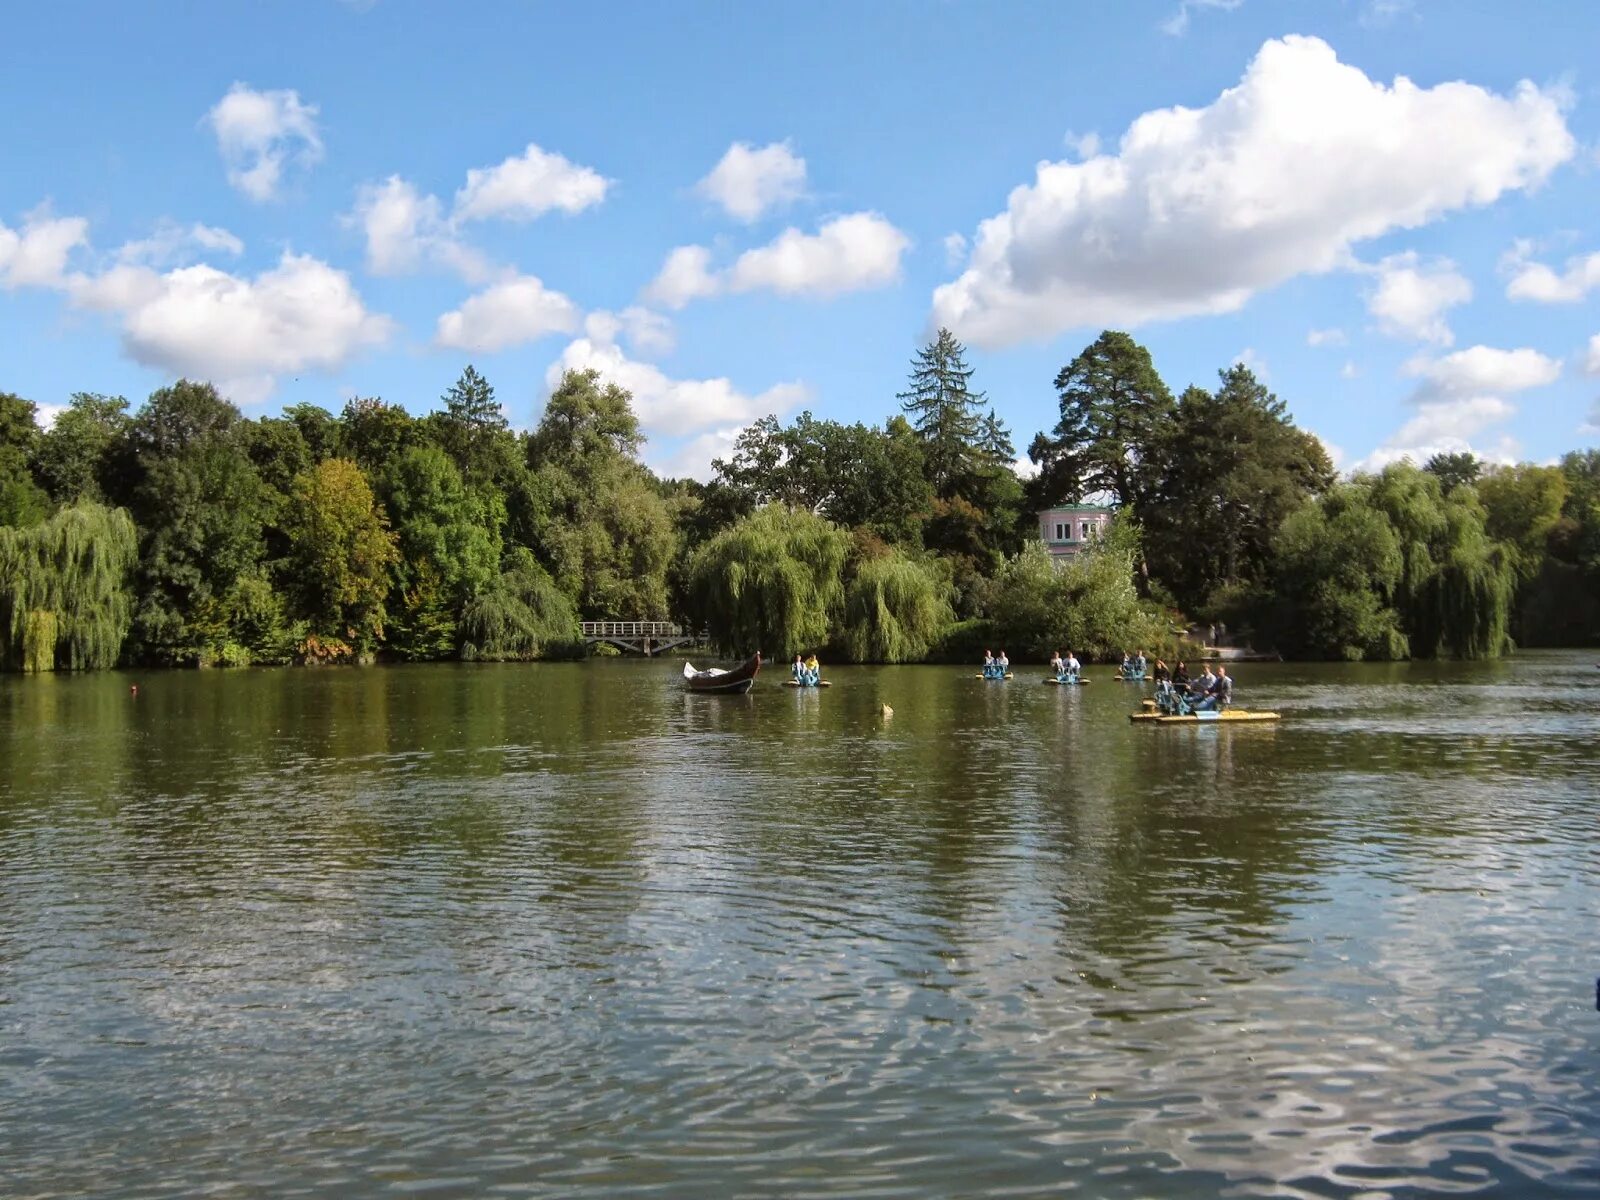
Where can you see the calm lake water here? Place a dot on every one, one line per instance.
(563, 930)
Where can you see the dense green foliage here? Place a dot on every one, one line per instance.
(895, 609)
(182, 532)
(771, 582)
(1091, 606)
(65, 599)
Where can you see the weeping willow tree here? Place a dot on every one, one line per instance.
(65, 601)
(894, 610)
(522, 616)
(1456, 586)
(771, 582)
(1090, 605)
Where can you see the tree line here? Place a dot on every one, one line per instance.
(185, 534)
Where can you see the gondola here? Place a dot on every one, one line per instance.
(719, 682)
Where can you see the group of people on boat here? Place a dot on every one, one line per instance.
(807, 671)
(1133, 666)
(1066, 668)
(1180, 695)
(995, 667)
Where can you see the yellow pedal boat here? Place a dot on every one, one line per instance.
(1228, 716)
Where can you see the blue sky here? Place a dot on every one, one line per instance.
(1388, 208)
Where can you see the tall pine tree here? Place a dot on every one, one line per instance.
(948, 415)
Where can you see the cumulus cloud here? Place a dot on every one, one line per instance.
(405, 230)
(692, 457)
(749, 181)
(242, 334)
(36, 256)
(259, 133)
(1199, 209)
(1481, 370)
(528, 185)
(1447, 427)
(1537, 282)
(1460, 396)
(646, 331)
(685, 276)
(1591, 362)
(1411, 298)
(672, 407)
(1326, 337)
(508, 313)
(847, 254)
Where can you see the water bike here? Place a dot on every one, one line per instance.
(994, 673)
(1173, 707)
(1067, 679)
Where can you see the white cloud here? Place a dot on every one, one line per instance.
(1410, 300)
(516, 310)
(1178, 24)
(1447, 427)
(37, 255)
(1199, 209)
(44, 415)
(847, 254)
(1592, 423)
(1349, 370)
(259, 133)
(172, 244)
(646, 331)
(1591, 363)
(528, 185)
(405, 230)
(1326, 337)
(672, 406)
(692, 458)
(241, 334)
(748, 182)
(955, 249)
(685, 276)
(1458, 397)
(1537, 282)
(1480, 371)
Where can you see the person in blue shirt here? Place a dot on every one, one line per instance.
(1218, 693)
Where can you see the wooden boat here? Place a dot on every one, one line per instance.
(717, 681)
(1067, 680)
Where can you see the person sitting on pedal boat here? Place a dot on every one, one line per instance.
(1218, 694)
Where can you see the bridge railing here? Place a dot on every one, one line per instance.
(633, 629)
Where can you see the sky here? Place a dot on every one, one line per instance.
(1386, 208)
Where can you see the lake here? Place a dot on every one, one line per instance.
(564, 930)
